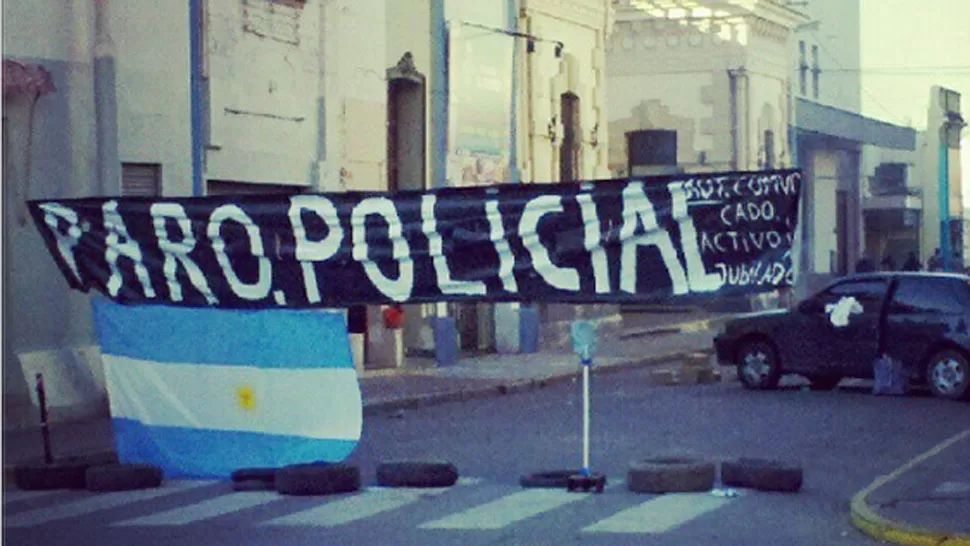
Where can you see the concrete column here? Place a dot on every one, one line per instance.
(106, 103)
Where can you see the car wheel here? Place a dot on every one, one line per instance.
(758, 365)
(823, 382)
(948, 375)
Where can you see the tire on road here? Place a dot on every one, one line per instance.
(66, 473)
(317, 479)
(551, 479)
(762, 474)
(948, 375)
(417, 474)
(759, 366)
(671, 475)
(123, 477)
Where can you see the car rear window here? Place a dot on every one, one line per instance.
(931, 296)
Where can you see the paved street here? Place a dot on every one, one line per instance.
(844, 439)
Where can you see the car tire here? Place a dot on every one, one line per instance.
(948, 375)
(66, 473)
(123, 477)
(671, 475)
(317, 479)
(823, 382)
(762, 474)
(758, 364)
(550, 479)
(417, 474)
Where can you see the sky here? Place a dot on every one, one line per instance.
(908, 46)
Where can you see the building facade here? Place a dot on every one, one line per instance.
(285, 96)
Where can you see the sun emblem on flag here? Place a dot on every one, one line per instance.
(246, 397)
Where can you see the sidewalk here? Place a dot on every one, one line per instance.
(925, 501)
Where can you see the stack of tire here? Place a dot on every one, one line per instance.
(323, 478)
(100, 472)
(687, 474)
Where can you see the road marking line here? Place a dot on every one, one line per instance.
(507, 510)
(208, 509)
(949, 488)
(16, 495)
(660, 514)
(867, 520)
(97, 502)
(371, 502)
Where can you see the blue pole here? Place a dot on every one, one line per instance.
(439, 94)
(513, 24)
(195, 71)
(445, 328)
(945, 203)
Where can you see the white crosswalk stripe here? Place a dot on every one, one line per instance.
(659, 514)
(97, 502)
(369, 503)
(495, 507)
(507, 510)
(208, 509)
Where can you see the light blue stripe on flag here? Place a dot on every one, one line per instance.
(196, 453)
(272, 338)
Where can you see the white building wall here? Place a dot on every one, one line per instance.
(263, 65)
(582, 26)
(153, 94)
(835, 29)
(675, 75)
(44, 321)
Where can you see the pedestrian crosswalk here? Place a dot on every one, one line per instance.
(470, 505)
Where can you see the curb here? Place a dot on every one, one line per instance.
(681, 328)
(868, 521)
(515, 387)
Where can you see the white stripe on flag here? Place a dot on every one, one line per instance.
(507, 510)
(371, 502)
(205, 510)
(95, 503)
(305, 402)
(660, 514)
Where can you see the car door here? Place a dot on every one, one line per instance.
(829, 348)
(923, 311)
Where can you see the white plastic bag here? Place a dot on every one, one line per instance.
(891, 377)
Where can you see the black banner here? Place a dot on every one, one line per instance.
(597, 241)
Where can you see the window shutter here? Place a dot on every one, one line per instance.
(141, 179)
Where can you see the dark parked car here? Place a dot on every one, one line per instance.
(919, 319)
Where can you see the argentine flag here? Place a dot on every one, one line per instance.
(202, 392)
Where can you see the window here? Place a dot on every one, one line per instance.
(926, 296)
(869, 293)
(141, 179)
(816, 71)
(769, 149)
(802, 68)
(651, 148)
(571, 147)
